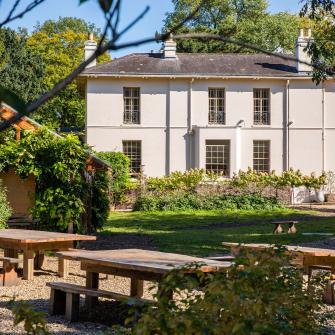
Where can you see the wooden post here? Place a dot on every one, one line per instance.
(136, 288)
(38, 260)
(63, 267)
(72, 307)
(18, 134)
(28, 264)
(92, 281)
(57, 302)
(70, 227)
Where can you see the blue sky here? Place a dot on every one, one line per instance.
(90, 11)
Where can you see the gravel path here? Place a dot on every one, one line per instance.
(36, 293)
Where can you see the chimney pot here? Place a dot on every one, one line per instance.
(170, 49)
(90, 48)
(305, 37)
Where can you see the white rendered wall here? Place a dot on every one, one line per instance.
(167, 105)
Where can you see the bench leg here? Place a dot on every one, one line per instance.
(38, 260)
(63, 267)
(92, 281)
(28, 264)
(72, 307)
(329, 293)
(278, 229)
(10, 277)
(291, 228)
(136, 288)
(12, 253)
(57, 302)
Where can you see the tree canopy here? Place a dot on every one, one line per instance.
(321, 14)
(21, 70)
(61, 46)
(244, 20)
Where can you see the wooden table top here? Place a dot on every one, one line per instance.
(37, 236)
(305, 250)
(140, 260)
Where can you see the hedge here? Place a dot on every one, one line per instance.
(192, 201)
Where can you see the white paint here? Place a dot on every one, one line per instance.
(170, 105)
(302, 55)
(170, 49)
(90, 48)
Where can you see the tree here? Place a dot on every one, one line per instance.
(21, 70)
(243, 20)
(320, 16)
(61, 45)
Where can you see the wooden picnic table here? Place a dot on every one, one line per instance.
(309, 258)
(136, 264)
(32, 242)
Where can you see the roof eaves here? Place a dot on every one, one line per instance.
(196, 75)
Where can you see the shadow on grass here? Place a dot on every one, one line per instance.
(202, 233)
(142, 221)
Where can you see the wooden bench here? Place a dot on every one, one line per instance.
(278, 229)
(64, 299)
(9, 276)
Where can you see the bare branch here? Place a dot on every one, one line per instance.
(11, 17)
(132, 24)
(112, 45)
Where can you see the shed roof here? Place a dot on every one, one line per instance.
(26, 123)
(210, 65)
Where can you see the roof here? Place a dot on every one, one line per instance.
(26, 123)
(202, 65)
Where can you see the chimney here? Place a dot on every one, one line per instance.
(90, 47)
(305, 37)
(170, 49)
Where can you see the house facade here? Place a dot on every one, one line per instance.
(170, 111)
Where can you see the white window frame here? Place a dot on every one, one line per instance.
(262, 107)
(216, 111)
(261, 163)
(131, 105)
(135, 158)
(219, 157)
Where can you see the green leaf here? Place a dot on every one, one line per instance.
(12, 100)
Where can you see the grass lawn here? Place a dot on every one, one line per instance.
(201, 232)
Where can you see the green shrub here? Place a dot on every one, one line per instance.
(187, 180)
(192, 201)
(5, 210)
(58, 165)
(259, 294)
(119, 177)
(100, 198)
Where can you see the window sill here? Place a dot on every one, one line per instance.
(214, 125)
(261, 126)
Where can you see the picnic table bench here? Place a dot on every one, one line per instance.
(136, 264)
(65, 297)
(9, 276)
(278, 229)
(307, 257)
(35, 242)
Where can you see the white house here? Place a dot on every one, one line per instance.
(171, 111)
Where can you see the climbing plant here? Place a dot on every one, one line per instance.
(119, 176)
(5, 210)
(58, 165)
